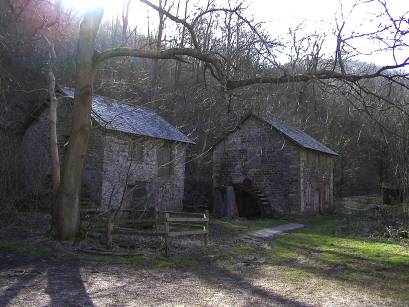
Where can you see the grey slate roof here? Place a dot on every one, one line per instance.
(119, 116)
(299, 137)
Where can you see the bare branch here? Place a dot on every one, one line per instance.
(187, 25)
(172, 53)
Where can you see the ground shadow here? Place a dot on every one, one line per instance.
(26, 278)
(65, 285)
(233, 282)
(22, 269)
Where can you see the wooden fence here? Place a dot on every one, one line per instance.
(167, 224)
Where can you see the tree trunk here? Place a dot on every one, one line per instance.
(66, 216)
(125, 21)
(158, 46)
(178, 68)
(55, 159)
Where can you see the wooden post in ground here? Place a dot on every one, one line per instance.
(109, 231)
(206, 228)
(167, 238)
(156, 217)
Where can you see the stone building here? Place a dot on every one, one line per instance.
(274, 170)
(135, 157)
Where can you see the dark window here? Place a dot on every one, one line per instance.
(136, 151)
(137, 195)
(253, 156)
(165, 160)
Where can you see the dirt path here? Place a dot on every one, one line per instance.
(31, 281)
(41, 281)
(270, 232)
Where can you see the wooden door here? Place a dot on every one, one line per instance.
(316, 199)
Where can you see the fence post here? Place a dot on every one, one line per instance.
(109, 231)
(167, 243)
(156, 217)
(206, 228)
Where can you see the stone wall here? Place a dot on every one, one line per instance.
(316, 180)
(258, 152)
(36, 158)
(110, 172)
(123, 175)
(10, 166)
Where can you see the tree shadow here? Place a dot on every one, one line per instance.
(21, 266)
(65, 285)
(11, 292)
(233, 281)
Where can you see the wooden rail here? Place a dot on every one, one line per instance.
(199, 222)
(168, 224)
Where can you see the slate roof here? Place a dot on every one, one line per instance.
(299, 137)
(120, 116)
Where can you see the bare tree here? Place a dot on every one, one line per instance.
(162, 5)
(125, 21)
(67, 213)
(55, 160)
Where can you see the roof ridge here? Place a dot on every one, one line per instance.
(299, 136)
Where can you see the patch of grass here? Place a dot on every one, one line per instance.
(331, 251)
(31, 249)
(177, 262)
(228, 225)
(134, 260)
(322, 250)
(282, 254)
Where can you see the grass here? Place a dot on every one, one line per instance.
(326, 253)
(134, 260)
(30, 249)
(323, 236)
(322, 251)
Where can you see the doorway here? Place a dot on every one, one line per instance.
(248, 205)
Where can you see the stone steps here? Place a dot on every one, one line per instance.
(265, 204)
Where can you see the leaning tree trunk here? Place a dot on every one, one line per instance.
(55, 160)
(66, 216)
